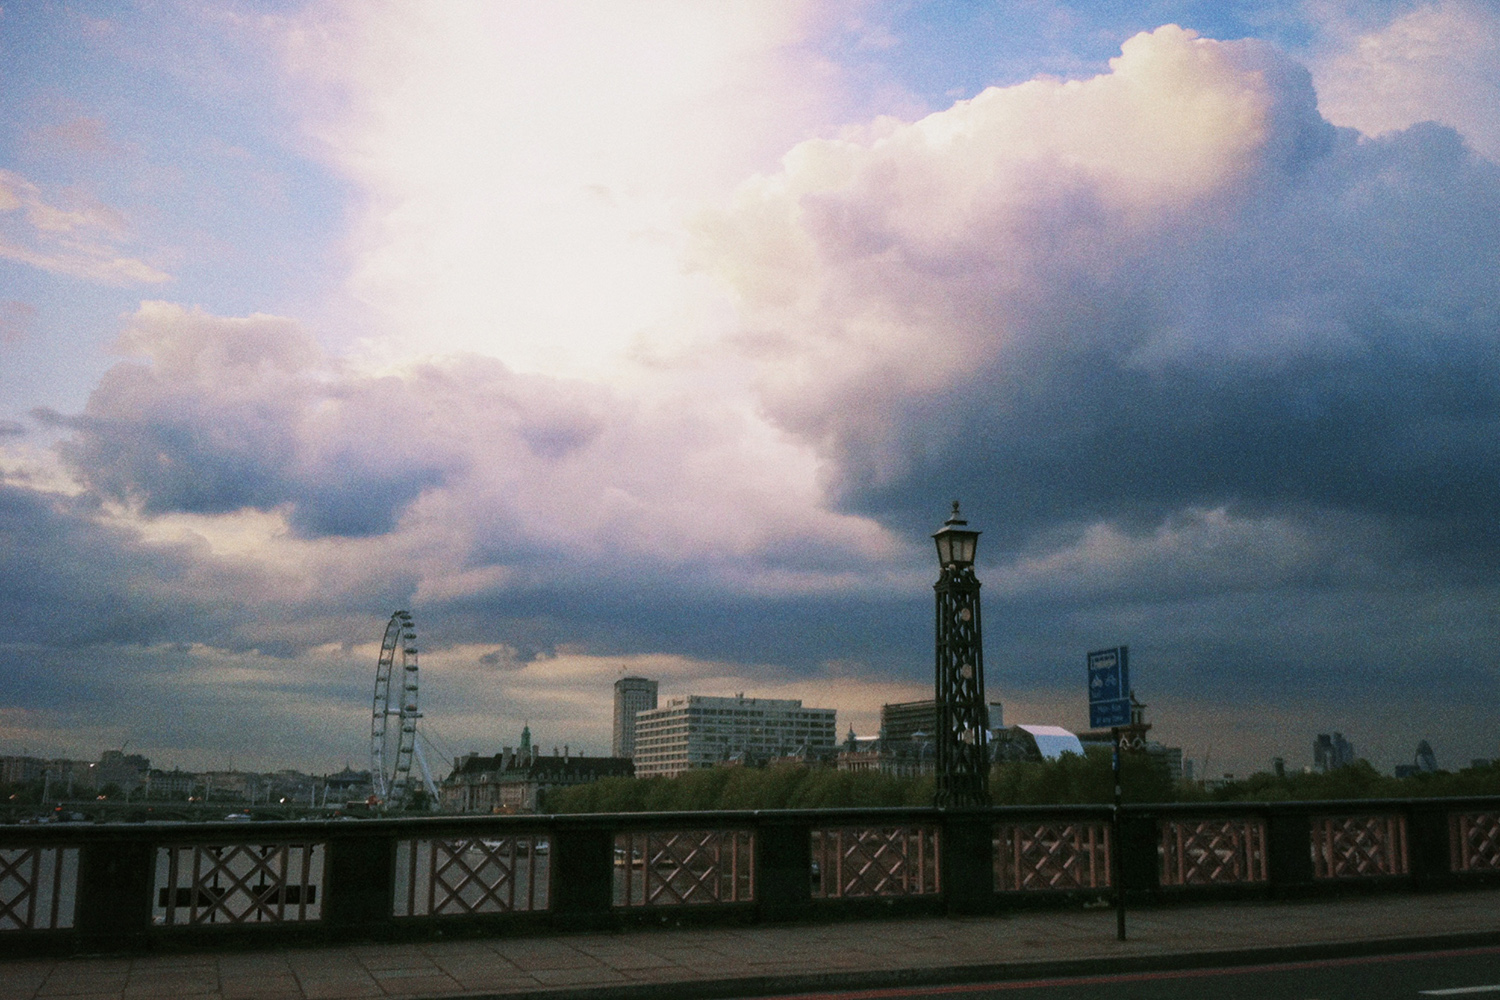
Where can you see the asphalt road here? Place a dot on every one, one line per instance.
(1462, 974)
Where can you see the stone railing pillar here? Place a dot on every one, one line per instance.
(583, 877)
(1289, 851)
(783, 868)
(1139, 861)
(115, 880)
(1427, 844)
(968, 861)
(358, 881)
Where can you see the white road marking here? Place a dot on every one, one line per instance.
(1461, 989)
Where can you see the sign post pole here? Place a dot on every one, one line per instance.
(1109, 706)
(1116, 854)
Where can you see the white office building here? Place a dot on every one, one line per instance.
(698, 731)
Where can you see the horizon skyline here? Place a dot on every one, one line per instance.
(582, 751)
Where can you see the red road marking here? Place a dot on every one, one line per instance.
(1134, 977)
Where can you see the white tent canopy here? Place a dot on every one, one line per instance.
(1053, 741)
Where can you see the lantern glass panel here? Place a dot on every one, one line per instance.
(967, 542)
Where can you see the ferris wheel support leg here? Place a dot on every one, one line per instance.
(432, 791)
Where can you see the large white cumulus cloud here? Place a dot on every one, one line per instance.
(1173, 286)
(525, 168)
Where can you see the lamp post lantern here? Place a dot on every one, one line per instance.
(962, 756)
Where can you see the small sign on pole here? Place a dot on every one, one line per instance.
(1109, 687)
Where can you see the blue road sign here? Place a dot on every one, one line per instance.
(1108, 714)
(1109, 687)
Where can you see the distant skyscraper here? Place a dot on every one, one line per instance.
(906, 721)
(1330, 752)
(632, 695)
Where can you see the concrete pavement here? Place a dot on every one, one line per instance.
(746, 961)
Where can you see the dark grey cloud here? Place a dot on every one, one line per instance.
(222, 415)
(1317, 333)
(69, 581)
(112, 636)
(191, 454)
(507, 658)
(76, 582)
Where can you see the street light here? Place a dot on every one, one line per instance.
(955, 542)
(962, 756)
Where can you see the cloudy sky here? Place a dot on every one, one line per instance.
(656, 338)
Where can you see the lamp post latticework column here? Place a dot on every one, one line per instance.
(962, 751)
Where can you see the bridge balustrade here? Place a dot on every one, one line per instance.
(1474, 841)
(1213, 850)
(70, 887)
(675, 867)
(33, 883)
(238, 883)
(446, 876)
(1359, 846)
(874, 861)
(1056, 855)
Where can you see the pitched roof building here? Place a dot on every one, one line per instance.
(511, 782)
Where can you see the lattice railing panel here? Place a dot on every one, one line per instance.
(851, 862)
(1358, 846)
(446, 877)
(1213, 851)
(1052, 856)
(238, 883)
(1474, 841)
(38, 887)
(672, 867)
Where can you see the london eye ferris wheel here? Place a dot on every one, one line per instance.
(393, 719)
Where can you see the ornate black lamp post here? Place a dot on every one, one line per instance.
(962, 756)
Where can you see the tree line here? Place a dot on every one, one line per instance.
(1070, 779)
